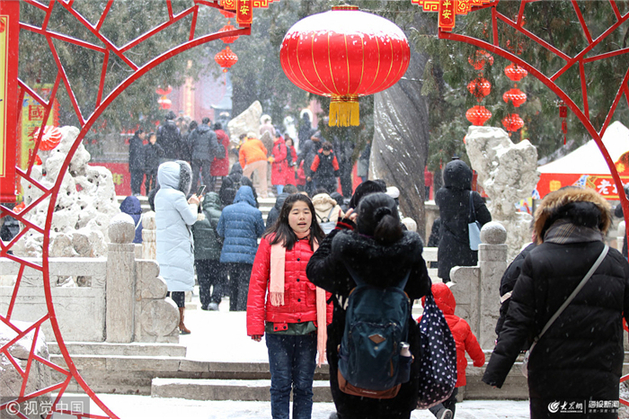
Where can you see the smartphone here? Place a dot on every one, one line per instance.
(201, 191)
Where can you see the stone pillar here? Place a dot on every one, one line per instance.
(477, 288)
(120, 286)
(149, 236)
(492, 260)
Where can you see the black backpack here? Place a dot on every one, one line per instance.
(376, 331)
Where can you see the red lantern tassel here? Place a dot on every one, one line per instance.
(344, 111)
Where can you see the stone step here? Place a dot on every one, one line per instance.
(120, 349)
(241, 390)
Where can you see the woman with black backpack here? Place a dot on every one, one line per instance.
(371, 247)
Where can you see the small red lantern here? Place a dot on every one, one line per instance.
(50, 139)
(515, 72)
(512, 122)
(164, 102)
(226, 58)
(228, 39)
(163, 92)
(478, 115)
(343, 54)
(480, 58)
(563, 114)
(479, 88)
(516, 96)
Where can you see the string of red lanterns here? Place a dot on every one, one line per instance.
(480, 87)
(515, 73)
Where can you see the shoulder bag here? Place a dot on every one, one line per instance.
(525, 362)
(473, 226)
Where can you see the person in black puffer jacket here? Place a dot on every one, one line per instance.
(169, 138)
(580, 357)
(203, 147)
(454, 210)
(233, 182)
(378, 250)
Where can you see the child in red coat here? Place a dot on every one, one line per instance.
(465, 341)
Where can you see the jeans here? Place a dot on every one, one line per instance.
(280, 189)
(292, 364)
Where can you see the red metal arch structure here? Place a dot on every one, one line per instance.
(242, 9)
(449, 9)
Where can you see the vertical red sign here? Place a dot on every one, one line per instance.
(244, 12)
(9, 46)
(446, 15)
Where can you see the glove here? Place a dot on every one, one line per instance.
(271, 159)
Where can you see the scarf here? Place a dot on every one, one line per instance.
(276, 293)
(563, 232)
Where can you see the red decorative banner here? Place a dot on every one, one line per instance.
(446, 15)
(9, 46)
(603, 184)
(244, 12)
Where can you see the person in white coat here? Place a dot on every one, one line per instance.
(175, 246)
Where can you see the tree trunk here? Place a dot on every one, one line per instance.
(400, 145)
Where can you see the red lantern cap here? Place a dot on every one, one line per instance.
(478, 115)
(227, 13)
(515, 72)
(164, 91)
(512, 122)
(226, 58)
(228, 39)
(516, 96)
(344, 53)
(479, 88)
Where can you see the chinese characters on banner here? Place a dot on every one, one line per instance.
(603, 184)
(448, 9)
(244, 9)
(9, 46)
(32, 116)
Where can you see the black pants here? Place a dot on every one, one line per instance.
(329, 183)
(204, 165)
(137, 176)
(151, 181)
(239, 274)
(449, 403)
(179, 297)
(211, 274)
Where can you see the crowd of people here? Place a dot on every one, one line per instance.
(296, 276)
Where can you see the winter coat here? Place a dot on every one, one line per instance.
(463, 336)
(169, 138)
(203, 143)
(324, 167)
(220, 165)
(240, 225)
(454, 210)
(207, 243)
(251, 151)
(279, 167)
(378, 265)
(580, 357)
(291, 157)
(307, 153)
(231, 184)
(300, 303)
(131, 205)
(173, 216)
(152, 154)
(326, 208)
(274, 213)
(136, 154)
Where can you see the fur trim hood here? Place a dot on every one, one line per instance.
(323, 202)
(581, 206)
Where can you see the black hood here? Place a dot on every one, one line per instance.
(236, 168)
(457, 175)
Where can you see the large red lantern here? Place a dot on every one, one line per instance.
(343, 54)
(479, 88)
(226, 58)
(478, 115)
(512, 122)
(515, 95)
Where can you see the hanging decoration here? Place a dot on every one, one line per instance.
(563, 114)
(515, 73)
(448, 9)
(480, 87)
(228, 27)
(515, 95)
(512, 122)
(341, 54)
(163, 101)
(226, 58)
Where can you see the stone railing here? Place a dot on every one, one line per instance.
(119, 299)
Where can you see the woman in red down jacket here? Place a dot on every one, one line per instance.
(288, 308)
(220, 165)
(279, 164)
(465, 341)
(291, 157)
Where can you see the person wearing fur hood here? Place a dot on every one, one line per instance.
(580, 357)
(326, 209)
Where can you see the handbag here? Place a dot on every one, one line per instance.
(525, 361)
(437, 360)
(473, 226)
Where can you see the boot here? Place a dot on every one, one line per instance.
(182, 327)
